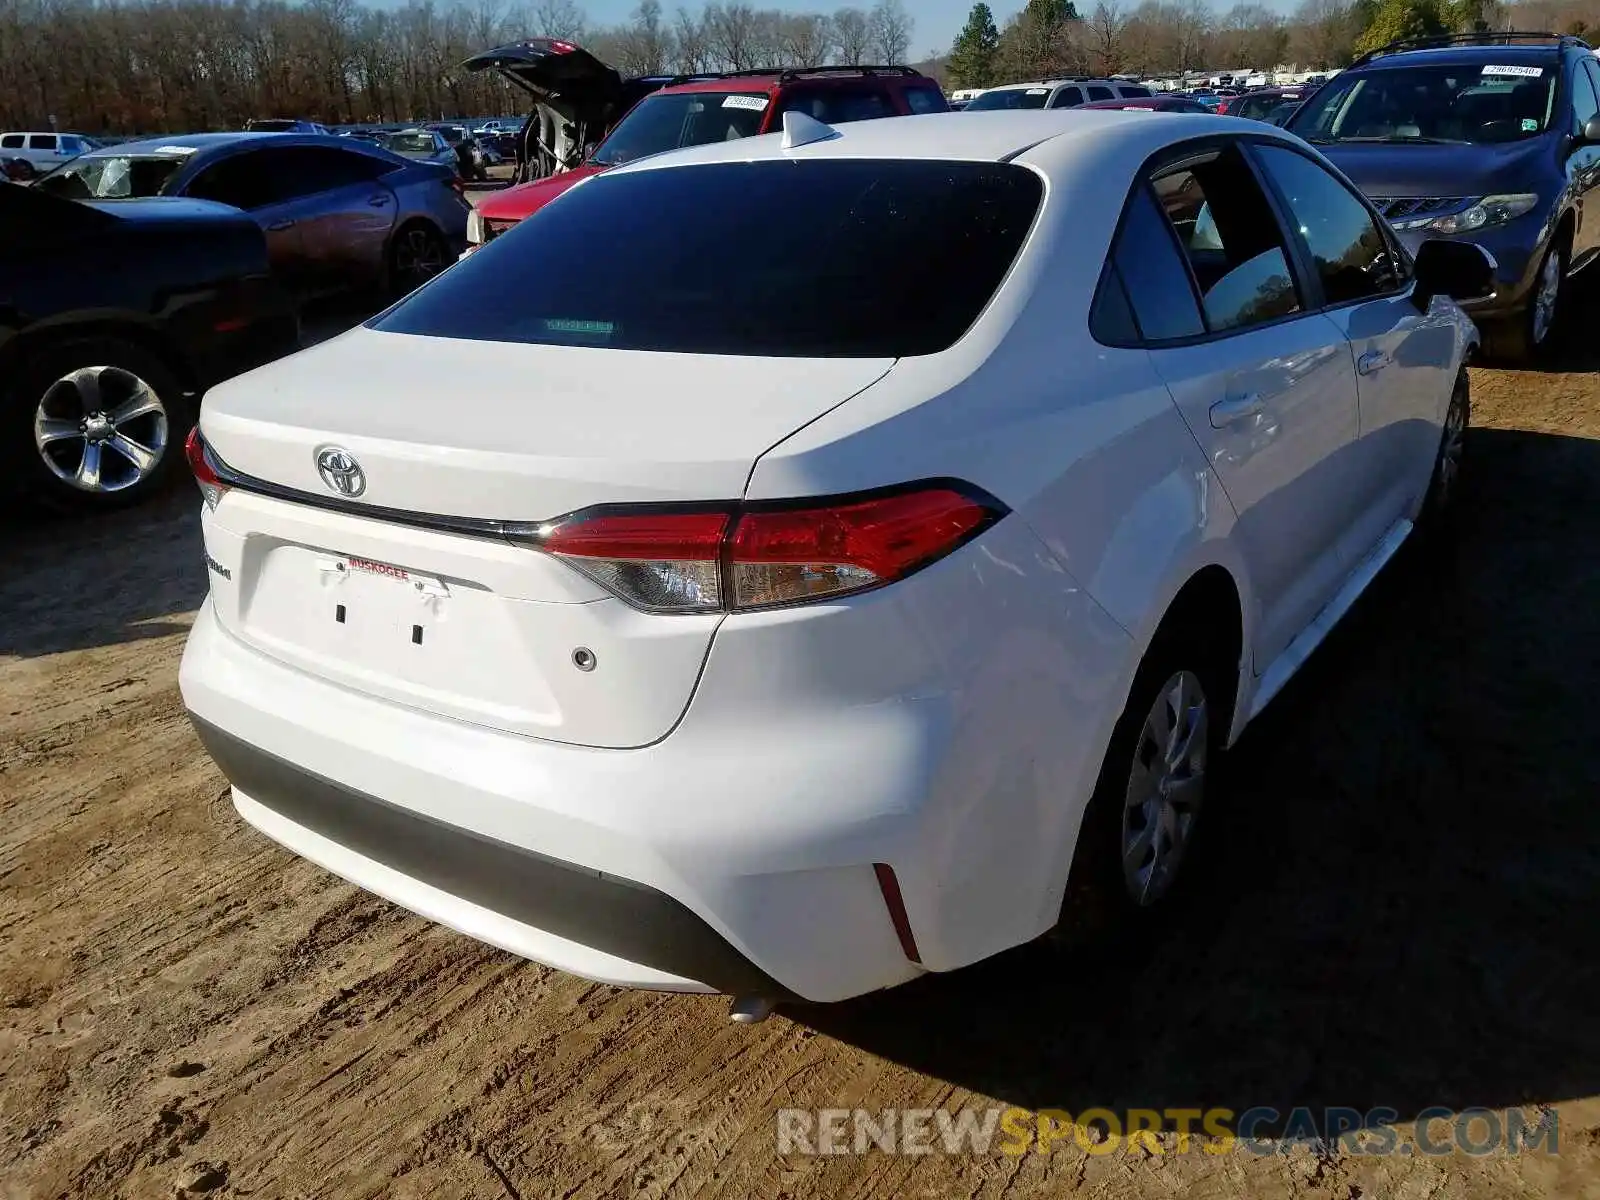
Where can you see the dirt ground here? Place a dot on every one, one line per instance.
(1397, 907)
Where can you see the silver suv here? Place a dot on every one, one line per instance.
(1057, 93)
(43, 151)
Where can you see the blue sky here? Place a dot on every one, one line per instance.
(937, 21)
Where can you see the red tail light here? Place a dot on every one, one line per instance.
(205, 474)
(768, 555)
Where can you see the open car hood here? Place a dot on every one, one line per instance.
(548, 67)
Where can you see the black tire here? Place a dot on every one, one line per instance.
(1444, 485)
(1099, 901)
(417, 252)
(1517, 339)
(40, 390)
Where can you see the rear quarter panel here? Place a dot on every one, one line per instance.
(1119, 509)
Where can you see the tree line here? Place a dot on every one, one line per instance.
(1170, 37)
(158, 66)
(153, 66)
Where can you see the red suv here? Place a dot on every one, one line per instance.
(696, 110)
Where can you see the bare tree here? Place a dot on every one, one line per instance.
(560, 19)
(1105, 37)
(891, 31)
(852, 35)
(807, 40)
(731, 34)
(691, 45)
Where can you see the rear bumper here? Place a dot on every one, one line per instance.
(613, 918)
(950, 727)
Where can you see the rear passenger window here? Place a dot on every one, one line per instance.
(1157, 284)
(1067, 97)
(1130, 89)
(1100, 93)
(1232, 240)
(42, 141)
(11, 141)
(926, 100)
(837, 106)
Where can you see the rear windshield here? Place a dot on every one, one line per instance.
(110, 177)
(667, 122)
(1011, 98)
(409, 143)
(831, 258)
(1492, 101)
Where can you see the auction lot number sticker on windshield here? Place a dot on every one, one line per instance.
(1518, 72)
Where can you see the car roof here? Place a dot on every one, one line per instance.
(191, 143)
(1052, 83)
(762, 81)
(1042, 137)
(1467, 55)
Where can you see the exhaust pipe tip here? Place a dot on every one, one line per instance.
(750, 1010)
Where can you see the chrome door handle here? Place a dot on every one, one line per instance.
(280, 226)
(1236, 408)
(1372, 362)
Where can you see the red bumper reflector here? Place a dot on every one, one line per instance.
(890, 887)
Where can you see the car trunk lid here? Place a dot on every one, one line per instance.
(417, 589)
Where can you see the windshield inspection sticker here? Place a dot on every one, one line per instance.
(753, 103)
(1514, 72)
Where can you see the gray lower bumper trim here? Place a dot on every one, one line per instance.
(592, 908)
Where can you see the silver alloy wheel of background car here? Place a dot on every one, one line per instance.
(1547, 296)
(100, 429)
(1166, 784)
(418, 256)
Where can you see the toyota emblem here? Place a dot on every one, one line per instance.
(340, 471)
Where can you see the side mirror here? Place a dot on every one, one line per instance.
(1460, 270)
(1591, 130)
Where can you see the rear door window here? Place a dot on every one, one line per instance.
(1100, 93)
(1133, 89)
(1232, 240)
(42, 141)
(837, 106)
(1148, 264)
(244, 180)
(316, 169)
(835, 258)
(1067, 97)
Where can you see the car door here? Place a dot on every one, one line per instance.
(343, 210)
(247, 179)
(1265, 384)
(1403, 357)
(1583, 161)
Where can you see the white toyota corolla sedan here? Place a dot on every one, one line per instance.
(789, 566)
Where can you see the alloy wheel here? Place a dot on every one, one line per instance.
(1548, 296)
(418, 256)
(1166, 784)
(100, 429)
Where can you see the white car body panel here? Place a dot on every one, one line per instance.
(754, 767)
